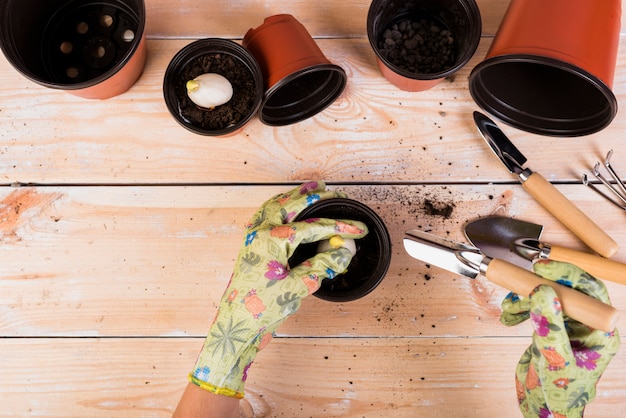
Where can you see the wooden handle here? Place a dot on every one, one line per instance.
(575, 304)
(597, 266)
(573, 218)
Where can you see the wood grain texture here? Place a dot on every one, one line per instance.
(119, 230)
(73, 252)
(232, 19)
(337, 377)
(373, 131)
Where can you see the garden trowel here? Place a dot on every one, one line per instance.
(470, 262)
(543, 191)
(517, 242)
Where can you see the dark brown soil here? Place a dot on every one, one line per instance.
(419, 46)
(228, 114)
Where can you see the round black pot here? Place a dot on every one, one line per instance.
(373, 252)
(224, 57)
(461, 17)
(92, 49)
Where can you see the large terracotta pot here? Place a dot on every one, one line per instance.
(550, 67)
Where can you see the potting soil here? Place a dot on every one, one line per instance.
(418, 46)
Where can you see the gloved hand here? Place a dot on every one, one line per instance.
(264, 290)
(557, 375)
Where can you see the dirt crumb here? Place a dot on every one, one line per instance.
(438, 208)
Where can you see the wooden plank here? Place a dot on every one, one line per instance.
(348, 377)
(323, 19)
(112, 267)
(373, 131)
(153, 261)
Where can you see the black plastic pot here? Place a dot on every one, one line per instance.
(93, 49)
(461, 17)
(373, 252)
(219, 56)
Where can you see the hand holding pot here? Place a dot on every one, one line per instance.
(558, 373)
(263, 290)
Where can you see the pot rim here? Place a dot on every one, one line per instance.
(194, 50)
(528, 121)
(376, 226)
(329, 91)
(15, 58)
(473, 13)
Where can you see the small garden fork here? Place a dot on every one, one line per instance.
(617, 186)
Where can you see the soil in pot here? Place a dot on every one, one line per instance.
(228, 114)
(421, 46)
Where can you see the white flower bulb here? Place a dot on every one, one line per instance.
(209, 90)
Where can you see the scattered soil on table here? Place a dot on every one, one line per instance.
(420, 46)
(414, 203)
(443, 209)
(228, 114)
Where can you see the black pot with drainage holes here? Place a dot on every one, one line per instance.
(75, 45)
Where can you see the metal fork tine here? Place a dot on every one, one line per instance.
(601, 193)
(607, 164)
(599, 176)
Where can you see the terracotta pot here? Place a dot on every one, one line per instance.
(299, 80)
(460, 17)
(373, 252)
(550, 67)
(226, 58)
(92, 49)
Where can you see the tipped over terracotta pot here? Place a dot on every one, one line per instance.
(299, 80)
(551, 65)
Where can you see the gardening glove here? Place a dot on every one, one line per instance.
(263, 290)
(557, 375)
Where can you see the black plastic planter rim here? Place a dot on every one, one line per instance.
(197, 49)
(302, 94)
(375, 27)
(43, 76)
(542, 95)
(377, 237)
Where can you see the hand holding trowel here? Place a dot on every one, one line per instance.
(518, 242)
(543, 191)
(470, 262)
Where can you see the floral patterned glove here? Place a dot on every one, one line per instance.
(263, 290)
(557, 375)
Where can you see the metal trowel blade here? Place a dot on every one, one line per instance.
(495, 236)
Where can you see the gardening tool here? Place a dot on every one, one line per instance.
(543, 191)
(469, 261)
(619, 191)
(518, 242)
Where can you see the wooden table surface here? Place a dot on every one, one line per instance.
(119, 230)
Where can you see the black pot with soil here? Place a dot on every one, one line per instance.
(373, 252)
(218, 56)
(418, 43)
